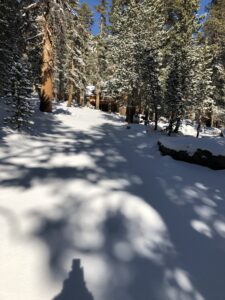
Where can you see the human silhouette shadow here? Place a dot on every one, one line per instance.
(74, 287)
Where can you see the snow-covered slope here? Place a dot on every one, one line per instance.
(82, 186)
(214, 145)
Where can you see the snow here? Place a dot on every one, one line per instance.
(215, 145)
(90, 90)
(187, 129)
(82, 186)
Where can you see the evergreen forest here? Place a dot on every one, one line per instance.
(160, 58)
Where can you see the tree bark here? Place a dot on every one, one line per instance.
(156, 119)
(146, 116)
(97, 102)
(70, 95)
(130, 113)
(70, 88)
(212, 117)
(198, 128)
(81, 98)
(60, 92)
(46, 90)
(177, 125)
(170, 128)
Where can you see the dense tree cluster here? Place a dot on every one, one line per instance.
(157, 57)
(175, 66)
(44, 49)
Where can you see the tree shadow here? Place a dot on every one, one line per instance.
(143, 226)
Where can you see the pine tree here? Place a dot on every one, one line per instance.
(19, 99)
(202, 88)
(19, 88)
(183, 24)
(154, 38)
(59, 25)
(7, 43)
(138, 29)
(102, 10)
(86, 16)
(124, 56)
(215, 31)
(100, 52)
(78, 36)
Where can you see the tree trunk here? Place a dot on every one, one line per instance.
(70, 95)
(177, 125)
(70, 88)
(212, 117)
(140, 107)
(170, 128)
(198, 132)
(110, 107)
(97, 102)
(146, 116)
(81, 98)
(60, 92)
(199, 128)
(131, 109)
(46, 90)
(129, 115)
(156, 119)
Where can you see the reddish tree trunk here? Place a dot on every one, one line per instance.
(46, 90)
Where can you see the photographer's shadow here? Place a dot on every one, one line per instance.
(74, 287)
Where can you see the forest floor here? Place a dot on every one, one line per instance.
(83, 190)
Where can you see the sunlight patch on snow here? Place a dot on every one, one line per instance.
(190, 193)
(142, 146)
(97, 152)
(178, 286)
(205, 212)
(182, 280)
(8, 172)
(220, 228)
(79, 160)
(18, 267)
(98, 273)
(202, 228)
(114, 159)
(208, 201)
(201, 186)
(217, 197)
(111, 184)
(171, 193)
(178, 178)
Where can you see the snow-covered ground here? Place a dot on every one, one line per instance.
(215, 145)
(187, 129)
(82, 186)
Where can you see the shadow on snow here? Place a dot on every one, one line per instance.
(146, 226)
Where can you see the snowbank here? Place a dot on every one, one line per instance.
(214, 145)
(207, 151)
(188, 130)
